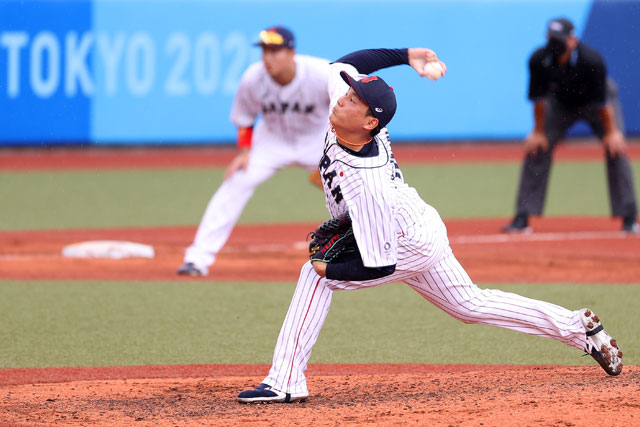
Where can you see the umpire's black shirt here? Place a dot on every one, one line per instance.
(580, 82)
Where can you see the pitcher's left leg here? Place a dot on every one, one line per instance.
(448, 286)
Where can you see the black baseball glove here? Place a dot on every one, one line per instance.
(332, 239)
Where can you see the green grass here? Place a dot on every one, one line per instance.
(47, 324)
(489, 190)
(80, 199)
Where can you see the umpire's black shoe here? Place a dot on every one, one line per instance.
(520, 224)
(630, 225)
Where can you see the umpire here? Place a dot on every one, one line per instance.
(568, 82)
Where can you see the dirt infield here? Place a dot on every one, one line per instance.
(575, 250)
(414, 395)
(572, 250)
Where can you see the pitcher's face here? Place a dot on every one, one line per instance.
(350, 112)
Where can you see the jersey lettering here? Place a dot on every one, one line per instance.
(268, 108)
(283, 107)
(328, 178)
(337, 194)
(396, 169)
(324, 162)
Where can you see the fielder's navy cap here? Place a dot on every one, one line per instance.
(560, 29)
(277, 36)
(377, 94)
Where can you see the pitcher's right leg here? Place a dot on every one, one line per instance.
(308, 310)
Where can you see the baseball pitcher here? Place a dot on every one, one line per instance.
(383, 232)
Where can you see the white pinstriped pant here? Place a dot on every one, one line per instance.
(444, 283)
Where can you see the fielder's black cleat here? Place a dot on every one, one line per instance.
(190, 269)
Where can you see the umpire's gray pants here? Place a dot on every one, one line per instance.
(535, 171)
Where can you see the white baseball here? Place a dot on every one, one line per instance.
(433, 70)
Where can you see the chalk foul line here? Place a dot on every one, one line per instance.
(541, 237)
(454, 240)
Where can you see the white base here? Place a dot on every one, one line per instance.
(108, 249)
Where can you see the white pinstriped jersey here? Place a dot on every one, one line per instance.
(293, 121)
(381, 205)
(291, 112)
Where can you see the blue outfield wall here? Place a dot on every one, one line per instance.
(41, 99)
(165, 72)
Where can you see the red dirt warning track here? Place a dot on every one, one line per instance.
(172, 157)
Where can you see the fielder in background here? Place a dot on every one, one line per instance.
(399, 238)
(568, 82)
(289, 93)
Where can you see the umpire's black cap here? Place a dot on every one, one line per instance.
(560, 29)
(277, 36)
(377, 94)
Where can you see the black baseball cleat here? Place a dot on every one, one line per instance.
(266, 394)
(520, 224)
(190, 269)
(630, 225)
(600, 345)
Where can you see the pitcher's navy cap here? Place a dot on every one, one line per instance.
(377, 94)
